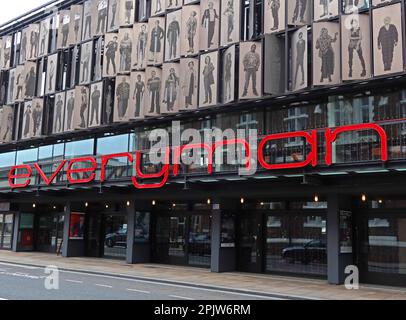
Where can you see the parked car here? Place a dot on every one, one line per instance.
(313, 251)
(117, 239)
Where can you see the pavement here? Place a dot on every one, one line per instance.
(91, 278)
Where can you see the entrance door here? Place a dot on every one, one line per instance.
(6, 230)
(296, 242)
(381, 248)
(49, 232)
(250, 242)
(115, 236)
(170, 244)
(183, 239)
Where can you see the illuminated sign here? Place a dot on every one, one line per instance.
(20, 176)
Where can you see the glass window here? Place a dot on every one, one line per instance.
(79, 148)
(112, 144)
(7, 159)
(27, 156)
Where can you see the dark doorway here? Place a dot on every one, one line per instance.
(381, 247)
(49, 232)
(183, 239)
(6, 230)
(106, 235)
(293, 242)
(250, 237)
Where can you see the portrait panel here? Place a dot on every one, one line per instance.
(69, 110)
(11, 86)
(27, 120)
(30, 79)
(75, 65)
(81, 108)
(356, 47)
(110, 55)
(33, 42)
(125, 40)
(158, 7)
(387, 37)
(19, 84)
(6, 124)
(140, 40)
(109, 101)
(123, 99)
(189, 77)
(170, 90)
(298, 13)
(44, 34)
(156, 41)
(32, 118)
(173, 4)
(59, 112)
(228, 80)
(274, 64)
(209, 24)
(86, 54)
(24, 45)
(126, 13)
(96, 103)
(350, 6)
(41, 77)
(173, 23)
(112, 17)
(100, 16)
(230, 22)
(326, 53)
(88, 23)
(6, 52)
(299, 63)
(97, 70)
(152, 105)
(139, 94)
(190, 26)
(52, 66)
(208, 79)
(75, 25)
(64, 29)
(250, 70)
(274, 16)
(325, 9)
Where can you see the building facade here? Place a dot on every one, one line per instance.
(321, 83)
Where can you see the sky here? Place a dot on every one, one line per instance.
(19, 7)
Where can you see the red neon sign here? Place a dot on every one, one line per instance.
(83, 170)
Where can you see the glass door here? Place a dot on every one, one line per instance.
(381, 249)
(170, 239)
(199, 246)
(6, 230)
(296, 243)
(249, 249)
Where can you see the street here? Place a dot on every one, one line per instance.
(20, 282)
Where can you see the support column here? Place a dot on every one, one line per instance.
(16, 232)
(138, 250)
(336, 260)
(223, 256)
(71, 248)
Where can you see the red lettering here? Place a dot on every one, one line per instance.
(311, 138)
(331, 136)
(52, 178)
(12, 176)
(91, 169)
(106, 159)
(164, 173)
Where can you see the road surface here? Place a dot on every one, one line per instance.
(20, 282)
